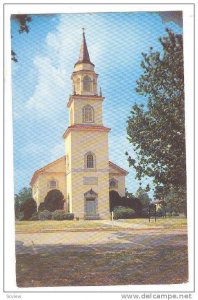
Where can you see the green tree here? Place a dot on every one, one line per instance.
(176, 201)
(128, 194)
(20, 198)
(157, 130)
(23, 21)
(28, 208)
(143, 196)
(160, 192)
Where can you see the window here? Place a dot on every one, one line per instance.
(52, 184)
(87, 84)
(113, 183)
(88, 114)
(90, 161)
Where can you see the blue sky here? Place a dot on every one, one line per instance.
(41, 81)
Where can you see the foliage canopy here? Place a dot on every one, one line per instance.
(157, 131)
(28, 208)
(20, 198)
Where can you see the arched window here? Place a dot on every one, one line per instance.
(90, 161)
(52, 184)
(113, 183)
(87, 84)
(88, 114)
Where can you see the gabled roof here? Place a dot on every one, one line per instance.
(118, 169)
(43, 169)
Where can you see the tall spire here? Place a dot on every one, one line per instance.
(84, 54)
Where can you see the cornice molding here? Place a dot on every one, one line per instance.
(85, 128)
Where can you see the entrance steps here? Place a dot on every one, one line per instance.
(94, 217)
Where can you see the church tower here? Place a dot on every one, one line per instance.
(86, 144)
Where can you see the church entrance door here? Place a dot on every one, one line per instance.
(90, 207)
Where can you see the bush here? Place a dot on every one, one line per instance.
(145, 212)
(54, 200)
(19, 216)
(44, 215)
(28, 208)
(41, 206)
(175, 214)
(160, 212)
(62, 215)
(168, 214)
(34, 217)
(116, 200)
(121, 212)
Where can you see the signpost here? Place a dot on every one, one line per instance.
(152, 211)
(112, 216)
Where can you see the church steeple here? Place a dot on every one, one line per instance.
(84, 54)
(84, 77)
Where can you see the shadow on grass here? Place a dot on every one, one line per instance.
(145, 261)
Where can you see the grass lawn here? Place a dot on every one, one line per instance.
(84, 267)
(40, 226)
(166, 223)
(136, 257)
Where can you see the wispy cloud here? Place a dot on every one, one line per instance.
(49, 88)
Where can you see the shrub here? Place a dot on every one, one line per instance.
(175, 214)
(168, 214)
(45, 215)
(121, 212)
(28, 208)
(145, 212)
(19, 216)
(116, 200)
(133, 203)
(54, 200)
(41, 206)
(160, 212)
(62, 215)
(34, 217)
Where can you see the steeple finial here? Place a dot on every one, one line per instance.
(84, 54)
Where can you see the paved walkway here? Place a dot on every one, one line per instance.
(39, 242)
